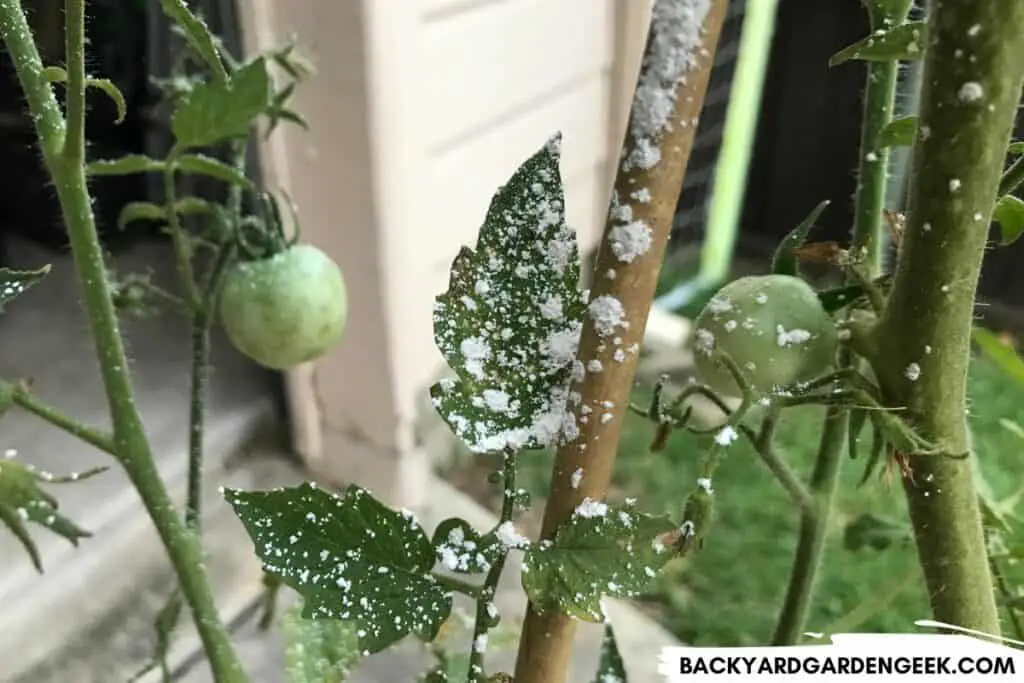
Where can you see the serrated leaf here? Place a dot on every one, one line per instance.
(460, 548)
(126, 165)
(784, 261)
(217, 111)
(57, 74)
(1009, 214)
(113, 92)
(201, 164)
(350, 557)
(15, 282)
(198, 35)
(1003, 355)
(22, 500)
(140, 211)
(610, 667)
(905, 42)
(605, 551)
(871, 531)
(148, 211)
(319, 650)
(509, 323)
(899, 132)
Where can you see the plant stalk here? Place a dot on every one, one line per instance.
(484, 621)
(545, 648)
(869, 202)
(65, 161)
(973, 71)
(202, 322)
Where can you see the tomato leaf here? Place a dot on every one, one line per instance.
(318, 650)
(460, 548)
(899, 132)
(15, 282)
(904, 42)
(999, 353)
(216, 111)
(198, 35)
(126, 165)
(601, 550)
(509, 323)
(147, 211)
(350, 557)
(784, 261)
(200, 164)
(1009, 214)
(57, 74)
(610, 666)
(23, 500)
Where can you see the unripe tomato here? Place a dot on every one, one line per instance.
(772, 326)
(286, 309)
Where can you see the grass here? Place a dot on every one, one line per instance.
(729, 592)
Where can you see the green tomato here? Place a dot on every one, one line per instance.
(284, 310)
(772, 326)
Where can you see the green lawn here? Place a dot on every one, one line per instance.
(729, 592)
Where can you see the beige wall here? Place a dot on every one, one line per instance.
(418, 112)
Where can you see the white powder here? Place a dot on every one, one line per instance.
(630, 241)
(971, 91)
(788, 338)
(675, 42)
(607, 313)
(726, 435)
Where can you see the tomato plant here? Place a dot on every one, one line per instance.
(774, 329)
(286, 309)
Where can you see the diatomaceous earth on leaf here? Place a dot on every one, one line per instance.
(774, 329)
(287, 309)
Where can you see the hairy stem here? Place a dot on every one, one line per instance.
(179, 240)
(24, 399)
(973, 69)
(546, 644)
(484, 620)
(872, 180)
(813, 528)
(202, 322)
(65, 164)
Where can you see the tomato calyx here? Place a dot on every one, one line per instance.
(262, 236)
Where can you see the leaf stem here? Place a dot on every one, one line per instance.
(179, 240)
(484, 619)
(872, 181)
(968, 109)
(764, 445)
(545, 647)
(25, 400)
(458, 585)
(65, 164)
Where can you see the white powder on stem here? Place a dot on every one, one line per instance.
(674, 45)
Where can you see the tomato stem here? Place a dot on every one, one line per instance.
(64, 159)
(966, 119)
(869, 202)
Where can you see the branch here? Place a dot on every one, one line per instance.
(974, 68)
(646, 192)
